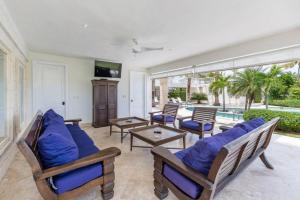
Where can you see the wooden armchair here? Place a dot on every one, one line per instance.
(166, 116)
(201, 122)
(28, 147)
(231, 160)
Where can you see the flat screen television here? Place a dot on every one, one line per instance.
(107, 69)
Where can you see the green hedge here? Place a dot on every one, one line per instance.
(286, 103)
(289, 122)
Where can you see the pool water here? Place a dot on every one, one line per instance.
(228, 115)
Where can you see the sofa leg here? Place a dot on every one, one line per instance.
(109, 177)
(108, 191)
(159, 189)
(265, 161)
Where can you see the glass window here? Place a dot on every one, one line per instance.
(21, 94)
(2, 96)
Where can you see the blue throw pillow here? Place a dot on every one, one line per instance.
(256, 122)
(60, 129)
(56, 149)
(52, 117)
(201, 156)
(251, 124)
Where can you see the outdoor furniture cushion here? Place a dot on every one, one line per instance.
(251, 124)
(84, 143)
(201, 156)
(73, 179)
(160, 118)
(185, 184)
(56, 149)
(52, 117)
(190, 124)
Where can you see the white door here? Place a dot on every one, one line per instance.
(137, 94)
(49, 87)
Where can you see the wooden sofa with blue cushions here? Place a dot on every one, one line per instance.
(64, 160)
(202, 170)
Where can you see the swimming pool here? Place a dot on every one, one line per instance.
(228, 115)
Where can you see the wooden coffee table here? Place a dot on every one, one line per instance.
(146, 134)
(126, 123)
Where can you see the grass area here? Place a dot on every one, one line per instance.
(294, 135)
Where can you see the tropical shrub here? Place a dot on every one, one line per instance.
(289, 122)
(286, 103)
(177, 92)
(280, 89)
(199, 97)
(294, 92)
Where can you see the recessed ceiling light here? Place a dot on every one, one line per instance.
(85, 26)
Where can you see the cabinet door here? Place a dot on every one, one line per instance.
(112, 100)
(100, 105)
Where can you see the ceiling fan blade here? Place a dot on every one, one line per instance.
(135, 41)
(135, 51)
(152, 48)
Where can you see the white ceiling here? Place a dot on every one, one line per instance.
(183, 27)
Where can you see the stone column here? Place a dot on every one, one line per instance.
(163, 89)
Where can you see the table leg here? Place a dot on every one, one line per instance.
(131, 142)
(110, 130)
(183, 142)
(121, 135)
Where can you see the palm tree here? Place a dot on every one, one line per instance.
(218, 86)
(247, 83)
(269, 80)
(214, 76)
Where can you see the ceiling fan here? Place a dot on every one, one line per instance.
(142, 49)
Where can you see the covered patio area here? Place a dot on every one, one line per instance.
(134, 172)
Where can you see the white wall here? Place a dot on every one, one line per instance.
(80, 72)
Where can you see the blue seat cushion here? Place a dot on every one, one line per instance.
(251, 124)
(52, 117)
(73, 179)
(190, 124)
(185, 184)
(160, 118)
(56, 149)
(201, 156)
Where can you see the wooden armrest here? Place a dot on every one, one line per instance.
(151, 113)
(182, 118)
(76, 121)
(224, 128)
(174, 162)
(104, 154)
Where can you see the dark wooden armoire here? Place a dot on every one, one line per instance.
(105, 101)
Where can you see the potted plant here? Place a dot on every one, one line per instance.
(199, 97)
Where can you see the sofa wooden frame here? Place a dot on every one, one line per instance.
(27, 144)
(201, 115)
(230, 161)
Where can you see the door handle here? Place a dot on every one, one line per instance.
(131, 100)
(63, 103)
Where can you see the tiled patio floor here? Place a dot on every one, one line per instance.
(134, 172)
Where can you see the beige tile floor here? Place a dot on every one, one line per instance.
(134, 173)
